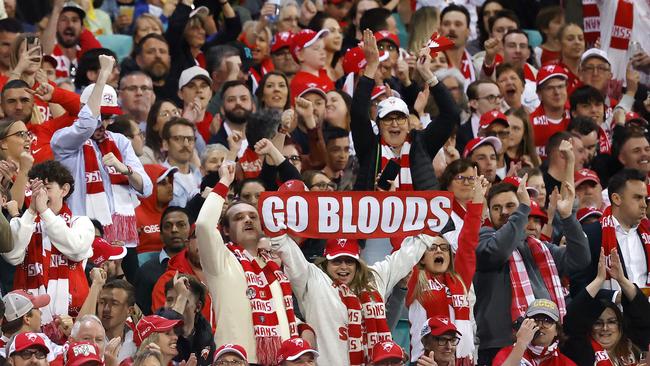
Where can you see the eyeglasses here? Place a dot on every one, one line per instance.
(612, 323)
(491, 98)
(324, 185)
(592, 68)
(464, 179)
(543, 321)
(444, 247)
(25, 135)
(293, 157)
(134, 88)
(387, 47)
(172, 113)
(29, 353)
(399, 120)
(446, 340)
(229, 363)
(183, 139)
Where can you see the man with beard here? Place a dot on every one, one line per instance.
(237, 106)
(454, 24)
(515, 267)
(152, 57)
(9, 30)
(179, 139)
(137, 96)
(72, 38)
(174, 233)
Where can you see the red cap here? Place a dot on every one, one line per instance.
(632, 117)
(439, 43)
(230, 348)
(515, 181)
(304, 39)
(354, 60)
(488, 118)
(293, 348)
(304, 83)
(280, 41)
(385, 35)
(27, 340)
(335, 248)
(153, 324)
(536, 211)
(82, 352)
(550, 71)
(293, 185)
(438, 326)
(475, 143)
(103, 251)
(386, 350)
(381, 89)
(584, 175)
(586, 212)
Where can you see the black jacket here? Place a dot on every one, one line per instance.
(145, 280)
(464, 135)
(366, 143)
(200, 342)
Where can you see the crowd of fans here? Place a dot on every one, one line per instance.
(138, 136)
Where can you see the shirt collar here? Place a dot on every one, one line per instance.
(619, 228)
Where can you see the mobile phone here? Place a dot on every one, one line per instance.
(390, 172)
(635, 47)
(32, 42)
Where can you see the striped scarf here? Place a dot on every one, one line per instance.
(265, 318)
(600, 354)
(45, 270)
(522, 291)
(623, 22)
(367, 324)
(120, 225)
(403, 182)
(538, 355)
(591, 21)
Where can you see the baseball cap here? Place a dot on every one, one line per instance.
(192, 73)
(391, 104)
(381, 89)
(230, 348)
(293, 185)
(545, 307)
(335, 248)
(385, 35)
(104, 251)
(585, 175)
(515, 181)
(304, 83)
(438, 326)
(595, 52)
(482, 140)
(73, 6)
(635, 118)
(587, 212)
(536, 211)
(550, 71)
(109, 99)
(153, 324)
(280, 41)
(354, 60)
(304, 39)
(50, 60)
(27, 340)
(19, 302)
(201, 11)
(293, 348)
(159, 172)
(386, 350)
(493, 116)
(81, 353)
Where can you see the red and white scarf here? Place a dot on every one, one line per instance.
(466, 66)
(538, 355)
(367, 324)
(604, 144)
(45, 270)
(250, 162)
(609, 241)
(266, 324)
(403, 182)
(445, 296)
(522, 291)
(600, 354)
(623, 22)
(591, 21)
(120, 225)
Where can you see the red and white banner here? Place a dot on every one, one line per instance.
(355, 215)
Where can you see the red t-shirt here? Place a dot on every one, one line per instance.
(544, 128)
(558, 360)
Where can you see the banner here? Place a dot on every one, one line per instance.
(354, 215)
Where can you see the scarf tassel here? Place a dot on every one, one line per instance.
(267, 348)
(123, 228)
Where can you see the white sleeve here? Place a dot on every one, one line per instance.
(22, 229)
(295, 265)
(76, 241)
(212, 250)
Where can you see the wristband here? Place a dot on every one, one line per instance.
(433, 81)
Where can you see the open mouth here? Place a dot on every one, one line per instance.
(438, 260)
(510, 92)
(343, 275)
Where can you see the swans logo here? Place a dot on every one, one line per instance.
(298, 342)
(387, 346)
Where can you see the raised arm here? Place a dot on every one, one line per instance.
(295, 265)
(465, 259)
(98, 278)
(361, 128)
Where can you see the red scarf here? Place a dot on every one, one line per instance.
(547, 356)
(591, 21)
(403, 182)
(250, 163)
(623, 22)
(265, 319)
(443, 295)
(45, 270)
(522, 291)
(467, 67)
(120, 225)
(609, 241)
(367, 324)
(601, 356)
(604, 145)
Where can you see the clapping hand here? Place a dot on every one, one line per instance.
(564, 205)
(522, 192)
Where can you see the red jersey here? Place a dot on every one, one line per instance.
(544, 128)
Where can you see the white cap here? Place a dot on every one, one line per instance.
(166, 173)
(391, 104)
(18, 303)
(595, 52)
(190, 74)
(109, 99)
(201, 10)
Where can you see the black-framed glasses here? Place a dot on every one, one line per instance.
(610, 323)
(399, 120)
(544, 321)
(29, 353)
(325, 185)
(444, 247)
(463, 179)
(25, 135)
(183, 139)
(491, 98)
(441, 341)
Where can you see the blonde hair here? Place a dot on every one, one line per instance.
(253, 28)
(425, 21)
(149, 18)
(14, 55)
(364, 276)
(152, 338)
